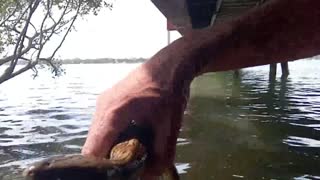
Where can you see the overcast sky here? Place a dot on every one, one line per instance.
(131, 29)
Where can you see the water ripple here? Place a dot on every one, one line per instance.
(234, 128)
(302, 142)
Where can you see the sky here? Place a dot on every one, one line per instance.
(132, 29)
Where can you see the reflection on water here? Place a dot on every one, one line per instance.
(245, 127)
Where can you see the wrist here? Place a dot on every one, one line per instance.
(171, 68)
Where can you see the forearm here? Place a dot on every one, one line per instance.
(278, 31)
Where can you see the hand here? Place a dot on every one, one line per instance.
(140, 98)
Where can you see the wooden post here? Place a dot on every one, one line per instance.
(236, 73)
(169, 37)
(285, 69)
(273, 70)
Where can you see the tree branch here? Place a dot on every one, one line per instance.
(69, 29)
(28, 40)
(60, 18)
(41, 32)
(19, 46)
(10, 15)
(27, 49)
(20, 17)
(24, 69)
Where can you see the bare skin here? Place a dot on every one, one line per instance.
(156, 92)
(145, 102)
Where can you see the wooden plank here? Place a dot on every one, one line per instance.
(175, 11)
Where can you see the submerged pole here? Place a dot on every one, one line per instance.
(168, 37)
(285, 69)
(273, 70)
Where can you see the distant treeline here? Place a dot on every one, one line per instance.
(115, 61)
(125, 60)
(102, 60)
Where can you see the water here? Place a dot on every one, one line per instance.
(246, 127)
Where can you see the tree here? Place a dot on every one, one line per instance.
(27, 26)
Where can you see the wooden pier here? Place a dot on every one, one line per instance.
(196, 14)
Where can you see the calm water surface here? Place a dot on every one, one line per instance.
(246, 127)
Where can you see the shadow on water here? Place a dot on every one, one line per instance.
(243, 127)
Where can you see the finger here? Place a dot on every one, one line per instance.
(113, 118)
(176, 120)
(104, 131)
(160, 124)
(167, 129)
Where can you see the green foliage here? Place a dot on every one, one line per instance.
(22, 38)
(87, 6)
(5, 4)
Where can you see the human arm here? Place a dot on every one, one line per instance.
(278, 31)
(156, 92)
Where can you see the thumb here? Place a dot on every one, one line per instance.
(104, 131)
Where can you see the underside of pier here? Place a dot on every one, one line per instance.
(197, 14)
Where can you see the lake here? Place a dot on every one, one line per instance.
(245, 127)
